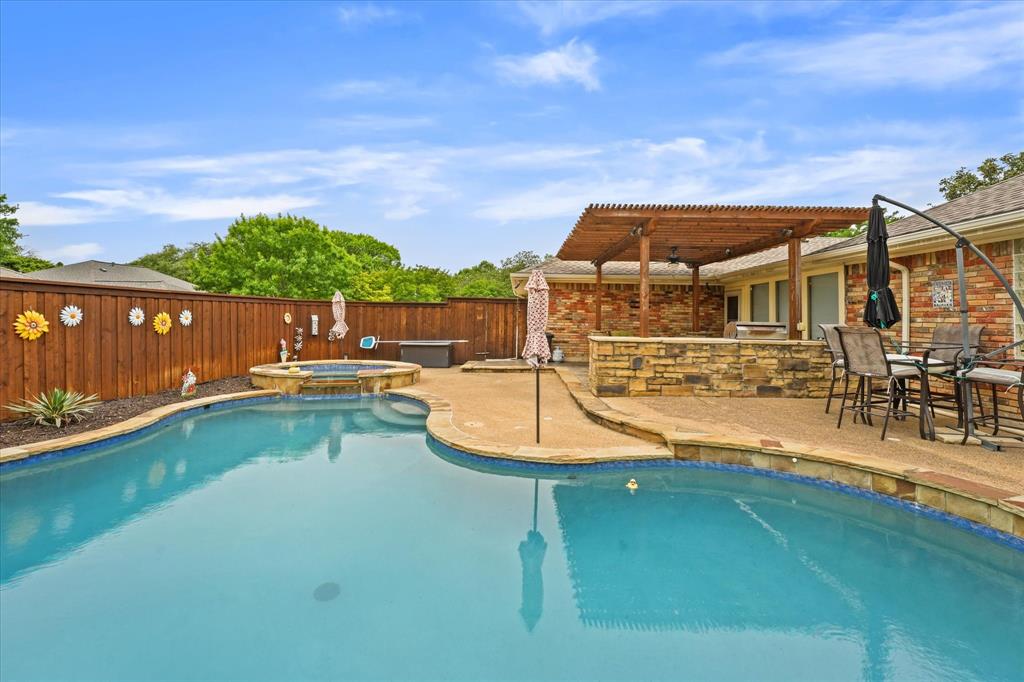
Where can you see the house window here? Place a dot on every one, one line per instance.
(732, 308)
(759, 303)
(823, 302)
(782, 301)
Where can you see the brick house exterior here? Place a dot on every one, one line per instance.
(992, 218)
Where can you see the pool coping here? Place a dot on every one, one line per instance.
(999, 509)
(988, 505)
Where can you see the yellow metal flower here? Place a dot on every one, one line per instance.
(161, 323)
(30, 325)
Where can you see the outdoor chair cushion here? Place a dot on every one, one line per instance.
(993, 375)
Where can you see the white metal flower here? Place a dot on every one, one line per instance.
(71, 315)
(185, 318)
(136, 316)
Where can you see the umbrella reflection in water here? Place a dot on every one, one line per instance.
(531, 552)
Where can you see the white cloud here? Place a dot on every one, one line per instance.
(965, 46)
(352, 14)
(693, 147)
(72, 253)
(37, 214)
(360, 88)
(554, 17)
(573, 62)
(184, 207)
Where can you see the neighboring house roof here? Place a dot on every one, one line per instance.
(114, 274)
(585, 271)
(1002, 197)
(12, 274)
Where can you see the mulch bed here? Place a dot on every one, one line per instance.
(112, 411)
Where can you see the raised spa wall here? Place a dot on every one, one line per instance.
(723, 368)
(279, 377)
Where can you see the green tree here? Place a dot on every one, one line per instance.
(369, 251)
(12, 254)
(861, 227)
(276, 256)
(991, 171)
(172, 260)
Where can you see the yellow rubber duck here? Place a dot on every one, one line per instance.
(632, 485)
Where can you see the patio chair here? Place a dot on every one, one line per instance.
(831, 334)
(864, 357)
(942, 357)
(1007, 374)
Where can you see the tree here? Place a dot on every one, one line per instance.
(861, 227)
(991, 171)
(276, 256)
(172, 260)
(12, 254)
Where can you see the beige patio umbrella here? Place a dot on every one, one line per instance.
(339, 329)
(536, 351)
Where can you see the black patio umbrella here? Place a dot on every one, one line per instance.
(881, 310)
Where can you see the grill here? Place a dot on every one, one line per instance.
(761, 331)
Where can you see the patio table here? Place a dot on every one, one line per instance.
(926, 425)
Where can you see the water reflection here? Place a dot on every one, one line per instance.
(531, 554)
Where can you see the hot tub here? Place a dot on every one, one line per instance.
(335, 376)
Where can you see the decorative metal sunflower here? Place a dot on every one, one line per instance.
(71, 315)
(30, 325)
(161, 323)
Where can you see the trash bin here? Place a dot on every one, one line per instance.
(551, 341)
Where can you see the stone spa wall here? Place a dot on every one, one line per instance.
(724, 368)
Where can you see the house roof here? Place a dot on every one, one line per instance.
(663, 270)
(1002, 197)
(100, 272)
(12, 274)
(704, 233)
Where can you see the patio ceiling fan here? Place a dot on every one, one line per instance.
(673, 256)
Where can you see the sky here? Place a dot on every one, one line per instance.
(470, 131)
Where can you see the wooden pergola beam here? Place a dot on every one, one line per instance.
(795, 290)
(695, 297)
(598, 296)
(645, 229)
(645, 283)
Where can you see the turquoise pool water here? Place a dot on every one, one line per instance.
(330, 539)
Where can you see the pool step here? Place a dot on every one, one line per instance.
(336, 386)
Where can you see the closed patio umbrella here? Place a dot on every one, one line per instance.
(339, 329)
(880, 310)
(536, 351)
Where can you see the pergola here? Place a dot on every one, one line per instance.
(698, 235)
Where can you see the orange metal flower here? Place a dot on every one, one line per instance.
(30, 325)
(161, 323)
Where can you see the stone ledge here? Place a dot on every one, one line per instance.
(127, 426)
(441, 427)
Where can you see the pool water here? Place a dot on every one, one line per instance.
(333, 540)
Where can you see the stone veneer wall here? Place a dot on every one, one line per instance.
(708, 367)
(571, 310)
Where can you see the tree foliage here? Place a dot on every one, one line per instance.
(991, 171)
(12, 254)
(295, 257)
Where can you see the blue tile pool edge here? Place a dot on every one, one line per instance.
(520, 466)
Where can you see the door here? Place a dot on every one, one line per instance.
(823, 302)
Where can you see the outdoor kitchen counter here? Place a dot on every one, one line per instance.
(713, 367)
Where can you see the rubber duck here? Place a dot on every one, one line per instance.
(632, 485)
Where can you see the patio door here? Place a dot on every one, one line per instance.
(823, 302)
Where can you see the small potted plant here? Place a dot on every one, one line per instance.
(284, 351)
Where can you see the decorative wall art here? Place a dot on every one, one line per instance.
(185, 318)
(188, 384)
(161, 323)
(136, 316)
(942, 293)
(298, 343)
(30, 325)
(71, 315)
(314, 325)
(287, 318)
(283, 350)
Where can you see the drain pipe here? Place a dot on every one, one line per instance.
(905, 279)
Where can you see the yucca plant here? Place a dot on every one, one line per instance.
(58, 407)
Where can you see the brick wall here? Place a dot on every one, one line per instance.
(989, 303)
(713, 367)
(571, 310)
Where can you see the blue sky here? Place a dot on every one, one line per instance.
(460, 132)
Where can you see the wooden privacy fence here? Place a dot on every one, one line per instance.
(105, 354)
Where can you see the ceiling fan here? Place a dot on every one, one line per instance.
(673, 256)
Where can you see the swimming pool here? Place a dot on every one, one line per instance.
(303, 539)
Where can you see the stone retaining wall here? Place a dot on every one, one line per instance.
(727, 368)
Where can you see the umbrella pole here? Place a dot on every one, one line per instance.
(536, 375)
(965, 335)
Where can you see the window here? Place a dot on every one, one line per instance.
(732, 308)
(823, 303)
(759, 303)
(782, 301)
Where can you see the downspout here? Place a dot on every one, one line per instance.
(905, 331)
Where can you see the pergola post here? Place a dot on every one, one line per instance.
(795, 289)
(695, 297)
(645, 283)
(598, 296)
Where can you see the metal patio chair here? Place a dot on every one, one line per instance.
(864, 357)
(831, 333)
(1005, 373)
